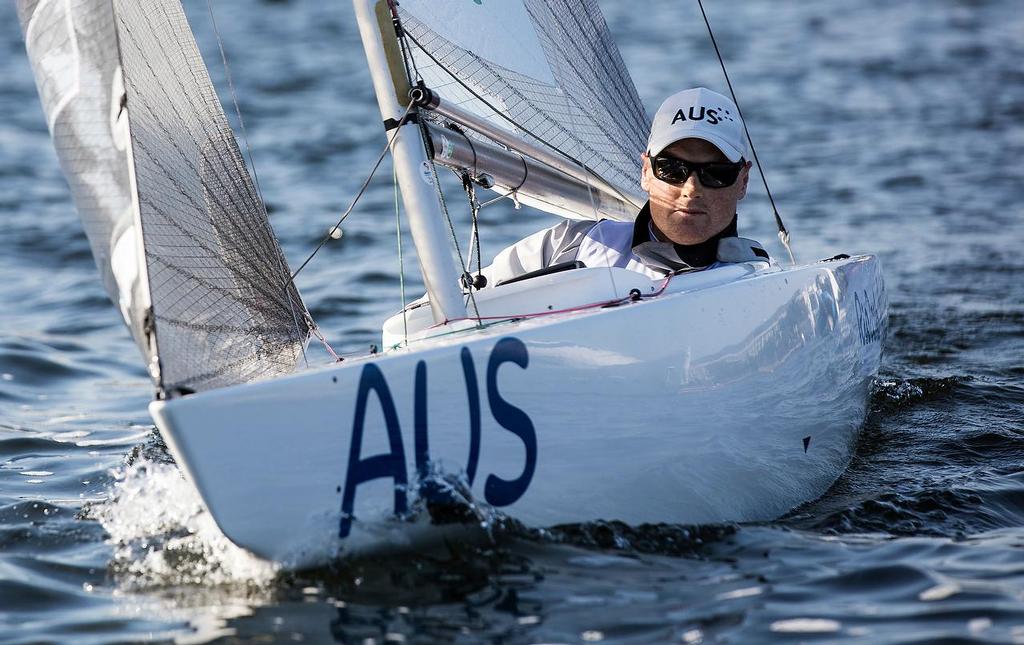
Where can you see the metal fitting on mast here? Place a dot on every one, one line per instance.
(424, 97)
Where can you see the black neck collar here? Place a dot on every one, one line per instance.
(693, 255)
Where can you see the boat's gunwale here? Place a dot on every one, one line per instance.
(495, 329)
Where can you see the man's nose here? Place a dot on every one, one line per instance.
(691, 187)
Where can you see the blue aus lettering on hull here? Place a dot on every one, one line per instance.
(473, 394)
(869, 318)
(497, 491)
(429, 489)
(391, 464)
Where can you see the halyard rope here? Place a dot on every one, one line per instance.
(783, 232)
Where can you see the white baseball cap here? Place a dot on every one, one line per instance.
(699, 113)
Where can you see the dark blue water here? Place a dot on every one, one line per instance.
(894, 128)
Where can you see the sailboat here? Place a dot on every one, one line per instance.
(730, 394)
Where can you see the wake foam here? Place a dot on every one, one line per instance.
(163, 536)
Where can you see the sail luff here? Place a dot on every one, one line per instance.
(152, 350)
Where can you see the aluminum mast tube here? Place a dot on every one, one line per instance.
(426, 221)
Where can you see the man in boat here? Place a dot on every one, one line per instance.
(694, 171)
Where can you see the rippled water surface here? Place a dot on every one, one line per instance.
(890, 127)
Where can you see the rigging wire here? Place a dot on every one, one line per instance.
(469, 180)
(315, 330)
(400, 35)
(478, 282)
(447, 217)
(310, 324)
(783, 232)
(355, 200)
(401, 262)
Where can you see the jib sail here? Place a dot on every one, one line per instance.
(179, 233)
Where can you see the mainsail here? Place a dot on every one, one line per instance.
(179, 233)
(547, 71)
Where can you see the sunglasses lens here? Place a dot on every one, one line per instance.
(712, 174)
(673, 171)
(719, 175)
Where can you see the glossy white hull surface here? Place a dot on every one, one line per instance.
(733, 402)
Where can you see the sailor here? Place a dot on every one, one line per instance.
(694, 171)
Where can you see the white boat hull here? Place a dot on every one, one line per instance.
(734, 402)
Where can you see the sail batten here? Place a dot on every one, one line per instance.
(178, 229)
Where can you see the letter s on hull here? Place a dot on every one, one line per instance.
(498, 491)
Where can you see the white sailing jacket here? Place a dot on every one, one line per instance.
(628, 245)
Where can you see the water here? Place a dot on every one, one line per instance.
(895, 128)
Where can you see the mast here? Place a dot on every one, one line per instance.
(412, 167)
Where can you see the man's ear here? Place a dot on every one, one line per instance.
(645, 172)
(744, 180)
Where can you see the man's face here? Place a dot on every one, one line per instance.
(692, 213)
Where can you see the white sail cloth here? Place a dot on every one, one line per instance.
(177, 228)
(546, 70)
(73, 52)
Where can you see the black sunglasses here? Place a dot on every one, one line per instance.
(712, 174)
